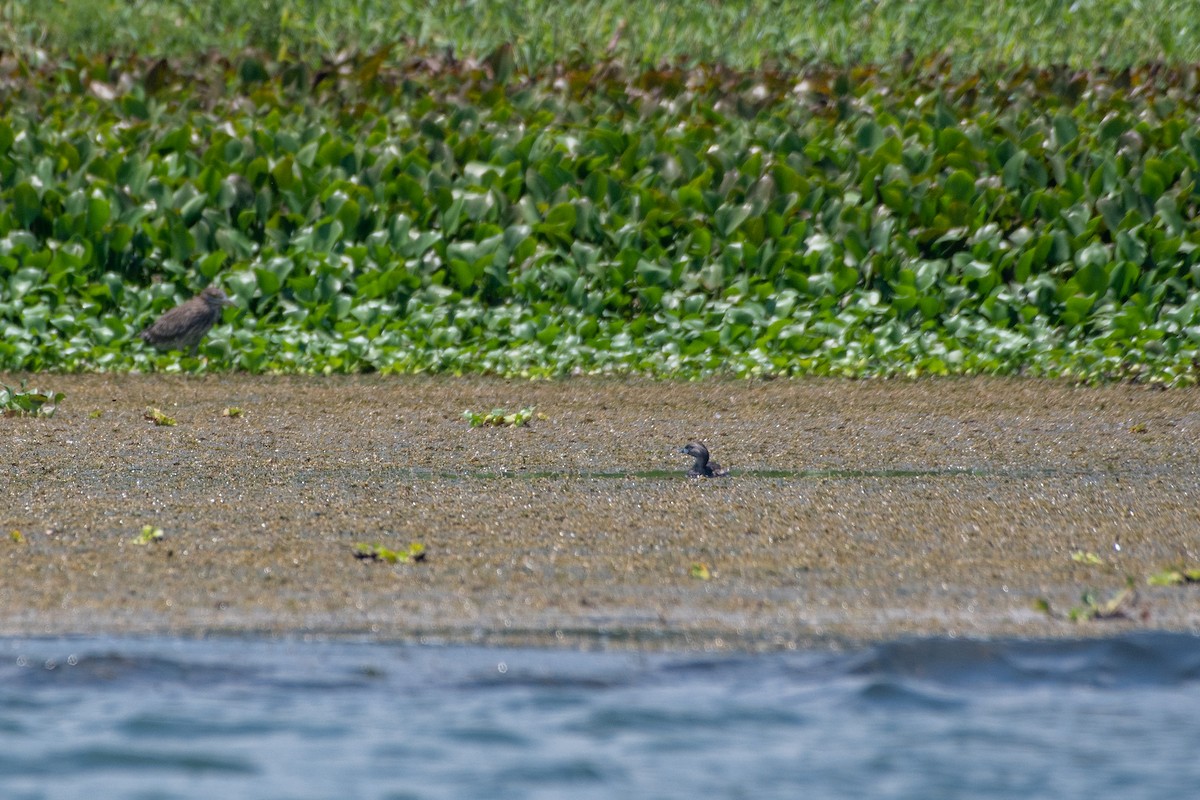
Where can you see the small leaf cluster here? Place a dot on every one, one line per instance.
(1120, 605)
(377, 552)
(499, 417)
(1177, 576)
(22, 402)
(149, 535)
(158, 417)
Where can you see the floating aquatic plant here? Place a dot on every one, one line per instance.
(690, 219)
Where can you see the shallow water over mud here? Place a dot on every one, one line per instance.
(855, 510)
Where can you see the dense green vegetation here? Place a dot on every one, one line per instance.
(974, 33)
(403, 209)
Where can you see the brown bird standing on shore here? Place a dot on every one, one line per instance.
(702, 468)
(184, 326)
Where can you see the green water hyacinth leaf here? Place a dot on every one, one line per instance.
(268, 282)
(654, 274)
(26, 205)
(729, 218)
(98, 214)
(24, 280)
(23, 402)
(1014, 169)
(960, 185)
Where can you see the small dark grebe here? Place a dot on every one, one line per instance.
(703, 468)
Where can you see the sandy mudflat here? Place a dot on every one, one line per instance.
(856, 511)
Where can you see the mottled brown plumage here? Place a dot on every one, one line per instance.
(184, 326)
(702, 467)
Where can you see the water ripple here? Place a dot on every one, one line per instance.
(247, 718)
(101, 759)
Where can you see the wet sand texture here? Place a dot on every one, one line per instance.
(856, 510)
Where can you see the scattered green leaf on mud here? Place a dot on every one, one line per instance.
(158, 417)
(700, 571)
(499, 417)
(377, 552)
(1174, 577)
(1118, 606)
(148, 535)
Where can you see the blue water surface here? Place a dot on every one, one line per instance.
(95, 718)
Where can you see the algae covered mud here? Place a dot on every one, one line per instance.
(855, 510)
